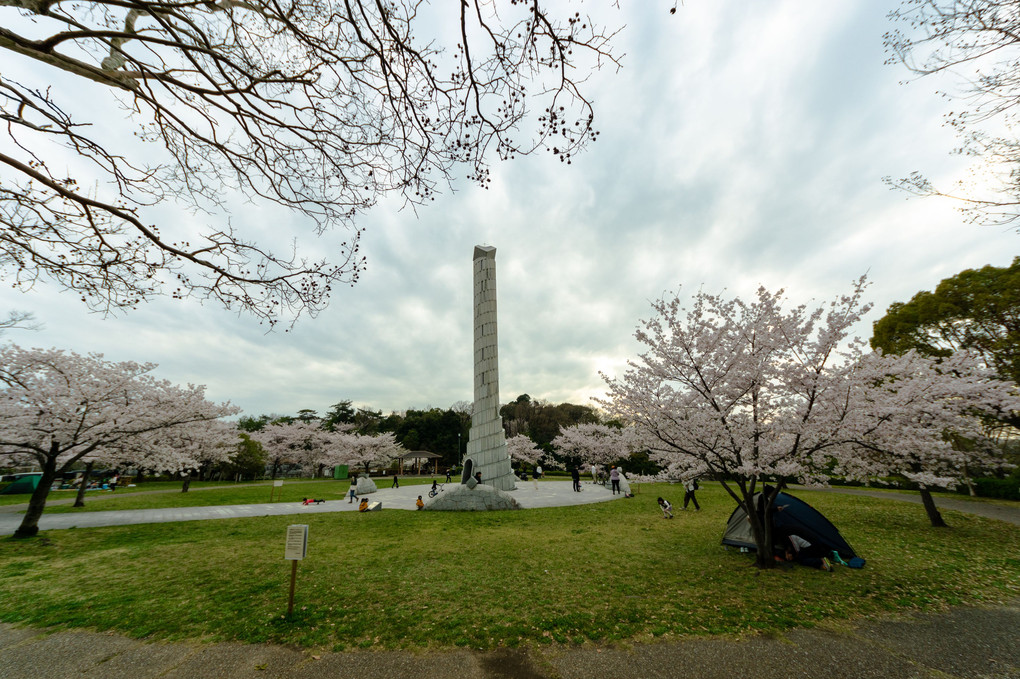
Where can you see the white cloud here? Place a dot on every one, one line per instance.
(742, 145)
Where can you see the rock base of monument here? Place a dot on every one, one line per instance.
(366, 485)
(481, 498)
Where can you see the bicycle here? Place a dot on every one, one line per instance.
(436, 491)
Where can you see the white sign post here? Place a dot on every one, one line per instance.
(295, 550)
(272, 491)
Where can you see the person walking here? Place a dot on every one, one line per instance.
(690, 487)
(353, 492)
(396, 482)
(448, 475)
(614, 476)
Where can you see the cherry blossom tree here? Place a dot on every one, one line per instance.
(58, 407)
(595, 444)
(751, 392)
(357, 450)
(301, 442)
(523, 449)
(923, 420)
(185, 449)
(319, 107)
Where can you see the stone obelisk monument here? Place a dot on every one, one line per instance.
(486, 449)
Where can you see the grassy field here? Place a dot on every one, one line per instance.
(415, 580)
(159, 494)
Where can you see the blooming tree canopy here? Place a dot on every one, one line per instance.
(58, 407)
(918, 418)
(596, 444)
(302, 442)
(186, 448)
(357, 450)
(748, 392)
(523, 449)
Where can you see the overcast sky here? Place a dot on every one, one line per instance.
(742, 144)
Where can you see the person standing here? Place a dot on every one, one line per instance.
(614, 476)
(594, 475)
(575, 475)
(448, 475)
(538, 471)
(690, 487)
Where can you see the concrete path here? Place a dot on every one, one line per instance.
(965, 642)
(1004, 511)
(546, 494)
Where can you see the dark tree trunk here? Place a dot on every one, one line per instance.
(761, 529)
(933, 512)
(140, 476)
(30, 524)
(276, 468)
(79, 500)
(187, 483)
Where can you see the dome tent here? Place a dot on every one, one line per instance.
(791, 516)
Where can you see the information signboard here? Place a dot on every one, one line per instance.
(297, 542)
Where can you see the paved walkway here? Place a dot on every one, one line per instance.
(965, 642)
(1004, 511)
(529, 495)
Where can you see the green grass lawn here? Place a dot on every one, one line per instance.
(160, 494)
(414, 580)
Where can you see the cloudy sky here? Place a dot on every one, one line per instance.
(742, 144)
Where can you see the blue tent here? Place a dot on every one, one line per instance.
(790, 516)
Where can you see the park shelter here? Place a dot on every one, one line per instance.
(419, 461)
(790, 516)
(22, 485)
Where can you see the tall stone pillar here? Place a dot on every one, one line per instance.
(486, 449)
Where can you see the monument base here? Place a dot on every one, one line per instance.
(481, 498)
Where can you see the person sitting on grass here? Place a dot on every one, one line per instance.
(667, 509)
(363, 507)
(418, 503)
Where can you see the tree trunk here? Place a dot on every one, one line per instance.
(762, 533)
(79, 500)
(30, 524)
(933, 512)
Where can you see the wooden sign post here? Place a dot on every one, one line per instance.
(295, 550)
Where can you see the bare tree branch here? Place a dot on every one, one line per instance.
(320, 107)
(978, 43)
